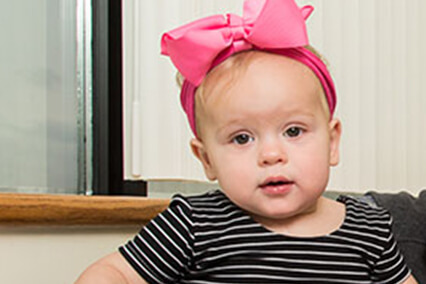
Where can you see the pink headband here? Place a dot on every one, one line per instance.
(276, 26)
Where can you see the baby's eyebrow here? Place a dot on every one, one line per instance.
(229, 127)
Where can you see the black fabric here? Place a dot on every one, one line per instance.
(208, 239)
(409, 227)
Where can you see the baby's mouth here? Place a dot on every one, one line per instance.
(276, 185)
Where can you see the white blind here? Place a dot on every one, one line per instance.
(376, 55)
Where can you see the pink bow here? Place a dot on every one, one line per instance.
(196, 47)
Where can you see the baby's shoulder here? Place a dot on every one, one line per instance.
(212, 202)
(361, 211)
(208, 211)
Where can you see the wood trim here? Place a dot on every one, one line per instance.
(54, 210)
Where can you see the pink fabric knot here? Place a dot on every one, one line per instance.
(238, 33)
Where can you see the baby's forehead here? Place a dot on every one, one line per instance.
(230, 73)
(239, 63)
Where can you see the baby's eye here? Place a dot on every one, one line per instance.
(242, 139)
(293, 132)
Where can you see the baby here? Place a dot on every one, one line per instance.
(260, 102)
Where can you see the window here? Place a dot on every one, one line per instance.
(60, 98)
(41, 114)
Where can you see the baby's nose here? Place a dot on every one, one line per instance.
(272, 152)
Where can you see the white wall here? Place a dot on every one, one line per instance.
(376, 53)
(164, 152)
(55, 255)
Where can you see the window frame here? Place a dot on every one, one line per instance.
(108, 154)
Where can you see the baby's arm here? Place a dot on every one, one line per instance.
(112, 269)
(410, 280)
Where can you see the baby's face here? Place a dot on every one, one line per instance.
(267, 138)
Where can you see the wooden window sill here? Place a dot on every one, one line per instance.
(69, 210)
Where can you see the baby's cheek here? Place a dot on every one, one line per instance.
(318, 172)
(233, 172)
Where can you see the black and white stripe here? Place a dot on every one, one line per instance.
(207, 239)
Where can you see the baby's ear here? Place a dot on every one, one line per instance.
(335, 130)
(199, 150)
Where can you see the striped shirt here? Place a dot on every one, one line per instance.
(208, 239)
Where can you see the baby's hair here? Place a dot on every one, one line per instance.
(234, 63)
(318, 54)
(221, 77)
(237, 63)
